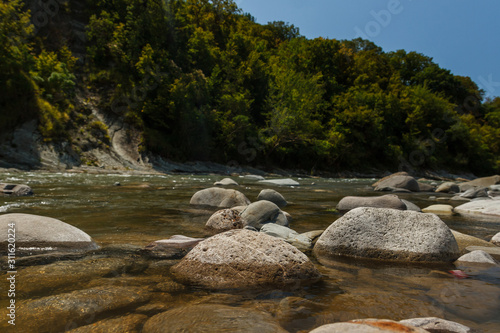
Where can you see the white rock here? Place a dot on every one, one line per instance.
(281, 182)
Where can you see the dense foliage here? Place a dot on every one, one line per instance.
(204, 81)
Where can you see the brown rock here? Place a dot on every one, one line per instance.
(224, 220)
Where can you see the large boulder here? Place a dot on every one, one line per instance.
(273, 196)
(212, 318)
(448, 187)
(262, 212)
(15, 190)
(280, 182)
(245, 259)
(487, 208)
(219, 197)
(39, 234)
(224, 220)
(399, 182)
(175, 247)
(437, 325)
(385, 201)
(368, 326)
(480, 182)
(389, 234)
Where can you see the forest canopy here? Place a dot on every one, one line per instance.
(202, 80)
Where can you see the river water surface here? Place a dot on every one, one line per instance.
(146, 208)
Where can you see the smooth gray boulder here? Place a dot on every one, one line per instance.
(411, 206)
(175, 247)
(15, 190)
(480, 182)
(437, 325)
(212, 318)
(493, 251)
(489, 208)
(262, 212)
(389, 234)
(475, 192)
(273, 196)
(384, 201)
(280, 182)
(448, 187)
(219, 197)
(226, 182)
(224, 220)
(399, 182)
(476, 257)
(39, 234)
(300, 241)
(496, 239)
(368, 326)
(245, 259)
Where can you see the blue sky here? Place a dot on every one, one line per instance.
(461, 35)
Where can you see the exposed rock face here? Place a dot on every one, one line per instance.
(15, 190)
(224, 220)
(476, 257)
(481, 207)
(226, 182)
(437, 325)
(281, 182)
(439, 209)
(385, 201)
(219, 197)
(448, 187)
(175, 247)
(245, 259)
(389, 234)
(262, 212)
(212, 318)
(273, 196)
(39, 234)
(399, 182)
(368, 326)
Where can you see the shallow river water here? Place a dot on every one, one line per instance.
(146, 208)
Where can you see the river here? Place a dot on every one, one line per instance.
(146, 208)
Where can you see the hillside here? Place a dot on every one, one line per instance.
(135, 83)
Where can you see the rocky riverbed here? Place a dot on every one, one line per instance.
(263, 263)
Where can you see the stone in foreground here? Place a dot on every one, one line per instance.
(437, 325)
(212, 318)
(219, 197)
(384, 201)
(389, 234)
(39, 234)
(368, 326)
(245, 259)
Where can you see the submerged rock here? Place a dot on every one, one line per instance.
(175, 247)
(368, 326)
(39, 234)
(389, 234)
(281, 182)
(212, 318)
(15, 190)
(245, 259)
(437, 325)
(67, 311)
(262, 212)
(219, 197)
(130, 324)
(384, 201)
(273, 196)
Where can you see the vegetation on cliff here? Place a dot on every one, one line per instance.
(203, 81)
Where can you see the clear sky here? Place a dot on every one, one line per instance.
(460, 35)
